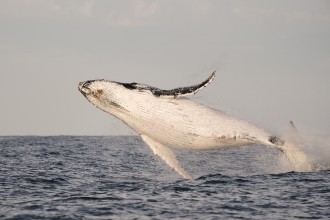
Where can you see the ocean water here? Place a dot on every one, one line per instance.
(72, 177)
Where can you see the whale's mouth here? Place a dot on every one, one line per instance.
(84, 87)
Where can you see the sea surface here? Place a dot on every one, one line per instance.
(118, 177)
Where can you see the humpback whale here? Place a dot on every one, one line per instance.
(167, 119)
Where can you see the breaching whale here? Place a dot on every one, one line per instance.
(166, 119)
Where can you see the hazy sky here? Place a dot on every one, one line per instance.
(272, 59)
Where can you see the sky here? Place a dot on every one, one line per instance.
(272, 59)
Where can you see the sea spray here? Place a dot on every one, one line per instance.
(306, 152)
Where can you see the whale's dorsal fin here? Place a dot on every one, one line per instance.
(167, 155)
(173, 93)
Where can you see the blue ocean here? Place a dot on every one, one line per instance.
(118, 177)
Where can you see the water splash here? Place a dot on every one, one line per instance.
(318, 149)
(311, 153)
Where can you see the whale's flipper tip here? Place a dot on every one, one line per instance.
(213, 74)
(209, 80)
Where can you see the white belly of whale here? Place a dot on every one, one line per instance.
(182, 123)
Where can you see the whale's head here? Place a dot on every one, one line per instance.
(104, 94)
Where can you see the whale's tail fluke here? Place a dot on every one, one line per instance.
(292, 150)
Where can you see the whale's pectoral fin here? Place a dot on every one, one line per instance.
(167, 155)
(173, 93)
(183, 91)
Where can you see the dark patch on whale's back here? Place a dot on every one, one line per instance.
(136, 86)
(174, 92)
(130, 86)
(159, 92)
(182, 91)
